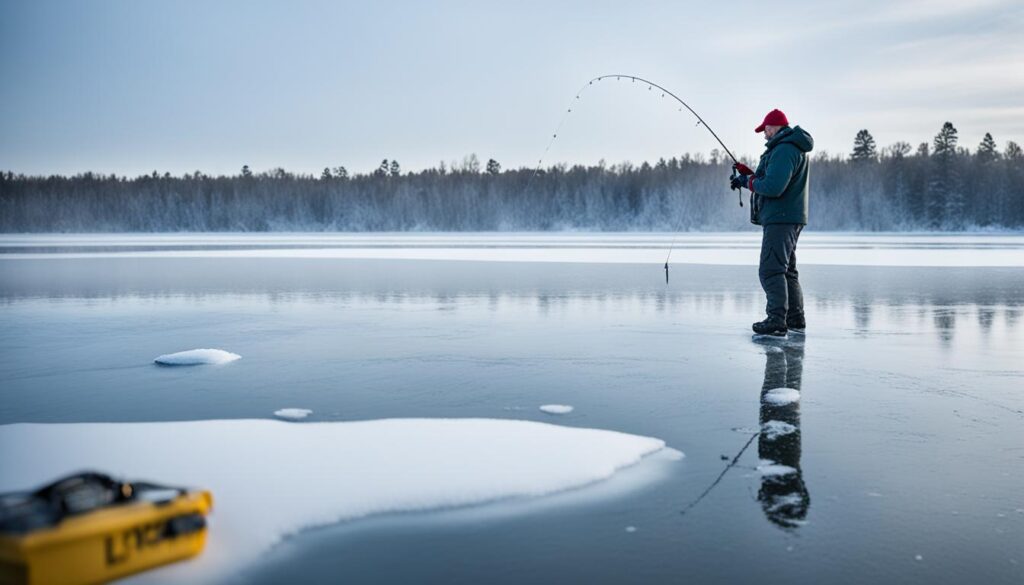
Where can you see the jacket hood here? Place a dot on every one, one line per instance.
(796, 136)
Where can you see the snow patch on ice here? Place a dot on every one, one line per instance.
(774, 429)
(293, 413)
(271, 479)
(556, 408)
(631, 529)
(781, 396)
(195, 357)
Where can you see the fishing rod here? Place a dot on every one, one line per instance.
(664, 92)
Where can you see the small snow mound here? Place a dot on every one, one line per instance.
(293, 413)
(774, 429)
(195, 357)
(556, 408)
(631, 529)
(781, 396)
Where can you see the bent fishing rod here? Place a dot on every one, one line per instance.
(664, 92)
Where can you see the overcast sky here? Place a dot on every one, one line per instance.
(131, 86)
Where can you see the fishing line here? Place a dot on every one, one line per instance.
(720, 475)
(650, 87)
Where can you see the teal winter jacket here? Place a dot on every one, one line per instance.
(779, 184)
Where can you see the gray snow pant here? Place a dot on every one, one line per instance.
(779, 278)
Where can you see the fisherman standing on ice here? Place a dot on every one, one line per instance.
(779, 204)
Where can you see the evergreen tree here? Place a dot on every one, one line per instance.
(326, 175)
(246, 172)
(944, 145)
(1013, 151)
(382, 170)
(864, 147)
(395, 169)
(987, 149)
(922, 150)
(493, 167)
(341, 173)
(945, 198)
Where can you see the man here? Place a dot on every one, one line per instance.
(779, 205)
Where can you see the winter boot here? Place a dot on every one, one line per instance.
(796, 324)
(770, 326)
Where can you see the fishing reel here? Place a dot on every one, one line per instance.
(735, 174)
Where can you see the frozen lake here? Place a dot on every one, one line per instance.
(901, 461)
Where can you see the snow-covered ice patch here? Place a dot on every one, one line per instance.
(631, 529)
(556, 408)
(271, 479)
(781, 396)
(774, 429)
(293, 413)
(195, 357)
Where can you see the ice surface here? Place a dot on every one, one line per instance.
(781, 396)
(271, 479)
(195, 357)
(911, 249)
(556, 408)
(293, 413)
(774, 429)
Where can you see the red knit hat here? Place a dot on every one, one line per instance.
(774, 118)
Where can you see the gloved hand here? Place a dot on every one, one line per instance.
(739, 182)
(742, 169)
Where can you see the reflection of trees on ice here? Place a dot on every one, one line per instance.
(783, 495)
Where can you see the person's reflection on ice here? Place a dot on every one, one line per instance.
(783, 495)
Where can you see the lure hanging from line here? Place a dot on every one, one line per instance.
(650, 85)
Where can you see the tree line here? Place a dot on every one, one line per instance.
(936, 186)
